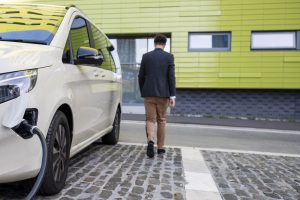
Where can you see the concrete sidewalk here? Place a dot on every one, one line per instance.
(199, 181)
(264, 124)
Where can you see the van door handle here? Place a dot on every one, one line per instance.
(96, 74)
(102, 74)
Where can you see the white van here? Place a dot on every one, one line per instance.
(61, 73)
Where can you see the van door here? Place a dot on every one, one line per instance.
(84, 84)
(106, 76)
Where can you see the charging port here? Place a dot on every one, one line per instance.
(31, 117)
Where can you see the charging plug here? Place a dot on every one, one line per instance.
(24, 129)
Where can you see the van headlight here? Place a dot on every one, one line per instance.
(13, 84)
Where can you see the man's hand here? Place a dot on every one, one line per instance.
(172, 102)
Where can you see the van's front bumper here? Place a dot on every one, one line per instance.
(19, 158)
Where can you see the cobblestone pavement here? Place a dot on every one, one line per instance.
(117, 172)
(254, 177)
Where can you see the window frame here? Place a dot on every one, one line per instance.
(113, 65)
(91, 41)
(136, 37)
(296, 37)
(227, 49)
(69, 43)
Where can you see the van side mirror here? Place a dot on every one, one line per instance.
(110, 48)
(89, 56)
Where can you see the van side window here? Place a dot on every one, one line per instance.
(101, 44)
(79, 35)
(66, 57)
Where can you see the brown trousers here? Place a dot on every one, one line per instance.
(156, 109)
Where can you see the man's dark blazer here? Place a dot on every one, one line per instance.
(156, 75)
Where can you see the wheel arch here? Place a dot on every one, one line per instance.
(66, 109)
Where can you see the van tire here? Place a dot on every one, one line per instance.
(58, 139)
(112, 138)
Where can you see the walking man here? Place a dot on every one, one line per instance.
(157, 86)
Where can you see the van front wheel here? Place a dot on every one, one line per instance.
(58, 141)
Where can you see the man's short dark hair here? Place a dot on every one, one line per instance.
(160, 39)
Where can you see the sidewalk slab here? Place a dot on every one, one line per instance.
(199, 182)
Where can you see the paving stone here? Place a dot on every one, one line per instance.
(138, 190)
(143, 177)
(99, 183)
(74, 192)
(166, 187)
(241, 193)
(122, 193)
(154, 181)
(116, 180)
(167, 195)
(126, 184)
(92, 189)
(139, 182)
(89, 179)
(134, 197)
(111, 186)
(82, 184)
(105, 194)
(178, 196)
(151, 188)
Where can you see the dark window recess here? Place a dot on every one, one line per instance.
(219, 41)
(79, 35)
(66, 58)
(102, 44)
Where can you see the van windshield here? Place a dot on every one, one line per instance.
(30, 23)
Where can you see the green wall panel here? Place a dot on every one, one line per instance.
(240, 68)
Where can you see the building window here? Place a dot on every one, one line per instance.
(130, 51)
(275, 40)
(217, 41)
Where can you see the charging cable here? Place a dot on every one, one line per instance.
(27, 132)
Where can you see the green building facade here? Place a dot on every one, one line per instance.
(234, 58)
